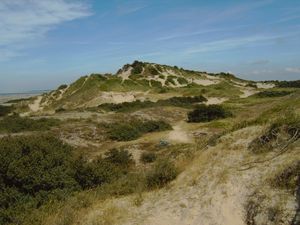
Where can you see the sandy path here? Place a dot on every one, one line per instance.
(248, 92)
(215, 101)
(36, 105)
(179, 135)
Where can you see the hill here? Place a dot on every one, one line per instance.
(145, 81)
(153, 145)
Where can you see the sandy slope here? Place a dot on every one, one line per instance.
(36, 105)
(213, 190)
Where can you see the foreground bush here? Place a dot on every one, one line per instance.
(37, 169)
(163, 172)
(208, 113)
(33, 169)
(17, 124)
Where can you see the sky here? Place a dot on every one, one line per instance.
(44, 43)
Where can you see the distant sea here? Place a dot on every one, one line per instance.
(37, 92)
(4, 97)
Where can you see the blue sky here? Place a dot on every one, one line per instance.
(44, 43)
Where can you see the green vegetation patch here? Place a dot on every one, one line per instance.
(131, 130)
(38, 170)
(5, 110)
(164, 171)
(270, 94)
(148, 157)
(15, 124)
(136, 105)
(204, 113)
(289, 84)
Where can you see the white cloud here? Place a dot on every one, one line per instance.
(231, 43)
(24, 20)
(293, 70)
(259, 72)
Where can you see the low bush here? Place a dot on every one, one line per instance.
(38, 169)
(137, 67)
(95, 173)
(121, 157)
(163, 172)
(15, 124)
(148, 157)
(123, 132)
(270, 94)
(5, 110)
(153, 70)
(33, 169)
(134, 129)
(289, 84)
(174, 101)
(204, 113)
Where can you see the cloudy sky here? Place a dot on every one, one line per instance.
(44, 43)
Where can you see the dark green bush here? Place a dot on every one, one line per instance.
(123, 132)
(17, 124)
(289, 84)
(5, 110)
(153, 70)
(119, 157)
(33, 169)
(163, 172)
(208, 113)
(137, 67)
(148, 157)
(156, 84)
(63, 86)
(95, 173)
(38, 168)
(182, 80)
(134, 129)
(270, 94)
(174, 101)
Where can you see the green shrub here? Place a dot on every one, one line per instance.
(148, 157)
(5, 110)
(163, 172)
(33, 169)
(95, 173)
(289, 84)
(153, 70)
(182, 80)
(156, 84)
(204, 113)
(63, 86)
(123, 132)
(134, 129)
(119, 157)
(270, 94)
(174, 101)
(137, 67)
(170, 80)
(17, 124)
